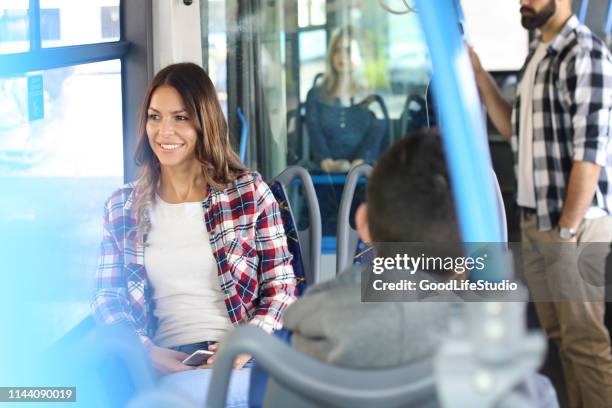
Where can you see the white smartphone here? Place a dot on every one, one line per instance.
(198, 357)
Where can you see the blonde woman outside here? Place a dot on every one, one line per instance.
(342, 131)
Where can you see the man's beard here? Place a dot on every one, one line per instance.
(537, 20)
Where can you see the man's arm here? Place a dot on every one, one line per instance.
(588, 84)
(580, 191)
(499, 110)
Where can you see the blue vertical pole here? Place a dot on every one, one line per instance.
(582, 10)
(465, 139)
(608, 22)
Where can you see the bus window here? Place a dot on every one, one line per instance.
(14, 26)
(66, 22)
(323, 84)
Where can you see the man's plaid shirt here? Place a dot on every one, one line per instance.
(572, 101)
(248, 242)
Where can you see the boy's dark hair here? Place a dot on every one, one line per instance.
(409, 196)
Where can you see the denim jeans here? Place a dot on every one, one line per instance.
(194, 383)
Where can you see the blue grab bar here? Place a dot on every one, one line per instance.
(463, 131)
(244, 132)
(582, 10)
(608, 22)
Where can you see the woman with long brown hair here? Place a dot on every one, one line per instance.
(196, 245)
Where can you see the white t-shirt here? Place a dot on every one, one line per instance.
(526, 189)
(181, 267)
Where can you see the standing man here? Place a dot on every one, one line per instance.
(559, 129)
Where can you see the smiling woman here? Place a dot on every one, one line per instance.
(170, 130)
(197, 240)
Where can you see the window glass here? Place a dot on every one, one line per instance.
(484, 21)
(311, 12)
(69, 22)
(14, 25)
(327, 87)
(217, 49)
(57, 166)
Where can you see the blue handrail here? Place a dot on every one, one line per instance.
(463, 132)
(244, 132)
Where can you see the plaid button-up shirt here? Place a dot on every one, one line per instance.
(572, 101)
(248, 243)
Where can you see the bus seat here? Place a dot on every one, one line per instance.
(346, 237)
(308, 239)
(297, 380)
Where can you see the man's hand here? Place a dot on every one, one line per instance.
(498, 108)
(239, 362)
(476, 64)
(168, 361)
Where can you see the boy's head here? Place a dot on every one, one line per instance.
(409, 198)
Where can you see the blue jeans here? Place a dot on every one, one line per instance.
(194, 383)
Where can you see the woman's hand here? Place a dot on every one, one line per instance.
(168, 361)
(335, 166)
(239, 362)
(327, 165)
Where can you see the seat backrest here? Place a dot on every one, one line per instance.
(309, 239)
(387, 133)
(291, 232)
(346, 237)
(297, 380)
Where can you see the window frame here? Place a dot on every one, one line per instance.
(134, 49)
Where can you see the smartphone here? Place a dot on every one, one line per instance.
(198, 357)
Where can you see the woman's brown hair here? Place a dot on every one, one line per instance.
(220, 163)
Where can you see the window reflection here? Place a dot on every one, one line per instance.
(342, 130)
(315, 97)
(55, 171)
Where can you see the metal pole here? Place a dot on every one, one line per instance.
(582, 10)
(465, 139)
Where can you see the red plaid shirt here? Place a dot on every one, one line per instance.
(248, 242)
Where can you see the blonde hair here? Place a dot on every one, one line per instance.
(220, 163)
(331, 77)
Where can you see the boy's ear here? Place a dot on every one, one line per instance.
(361, 222)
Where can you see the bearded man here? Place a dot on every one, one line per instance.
(559, 128)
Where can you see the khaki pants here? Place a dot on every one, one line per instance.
(577, 327)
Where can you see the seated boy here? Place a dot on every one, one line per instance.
(408, 200)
